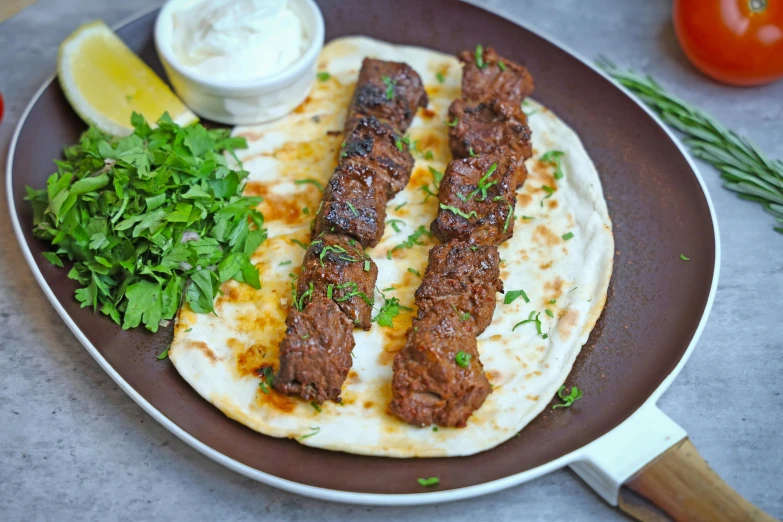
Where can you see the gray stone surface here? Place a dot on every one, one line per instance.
(74, 447)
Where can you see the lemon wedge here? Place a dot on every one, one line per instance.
(105, 82)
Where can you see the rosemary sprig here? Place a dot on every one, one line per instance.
(743, 166)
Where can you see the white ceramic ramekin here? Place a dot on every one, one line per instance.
(249, 101)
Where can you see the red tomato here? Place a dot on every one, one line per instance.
(739, 42)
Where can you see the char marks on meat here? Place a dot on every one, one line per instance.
(336, 266)
(315, 355)
(477, 199)
(390, 91)
(462, 276)
(510, 83)
(492, 127)
(354, 204)
(429, 384)
(378, 146)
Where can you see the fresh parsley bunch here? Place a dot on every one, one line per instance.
(150, 219)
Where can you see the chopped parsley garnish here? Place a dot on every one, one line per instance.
(395, 224)
(311, 181)
(267, 379)
(329, 290)
(509, 217)
(463, 316)
(526, 217)
(552, 301)
(458, 212)
(414, 272)
(569, 399)
(501, 65)
(352, 291)
(512, 295)
(398, 207)
(553, 158)
(164, 354)
(483, 185)
(307, 294)
(568, 235)
(428, 155)
(323, 76)
(388, 289)
(428, 482)
(454, 122)
(366, 265)
(389, 83)
(462, 359)
(297, 242)
(428, 193)
(471, 153)
(436, 175)
(480, 57)
(549, 191)
(339, 251)
(353, 209)
(532, 318)
(434, 428)
(398, 143)
(682, 256)
(439, 76)
(142, 217)
(549, 312)
(316, 406)
(314, 431)
(284, 263)
(390, 309)
(413, 239)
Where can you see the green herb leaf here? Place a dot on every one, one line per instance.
(553, 157)
(428, 482)
(145, 216)
(164, 354)
(453, 123)
(682, 256)
(395, 223)
(549, 312)
(439, 76)
(316, 406)
(414, 272)
(458, 212)
(413, 240)
(568, 235)
(569, 399)
(389, 83)
(390, 309)
(480, 57)
(323, 76)
(311, 181)
(501, 65)
(462, 359)
(512, 295)
(52, 258)
(313, 431)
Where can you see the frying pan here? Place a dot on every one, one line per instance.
(615, 437)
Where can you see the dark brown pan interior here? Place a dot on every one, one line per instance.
(655, 303)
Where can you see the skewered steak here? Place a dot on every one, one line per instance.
(491, 128)
(390, 91)
(354, 203)
(429, 384)
(336, 261)
(488, 80)
(464, 277)
(380, 147)
(477, 199)
(315, 355)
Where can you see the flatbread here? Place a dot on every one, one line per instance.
(219, 354)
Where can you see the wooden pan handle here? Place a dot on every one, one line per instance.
(679, 485)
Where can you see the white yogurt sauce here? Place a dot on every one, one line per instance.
(238, 39)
